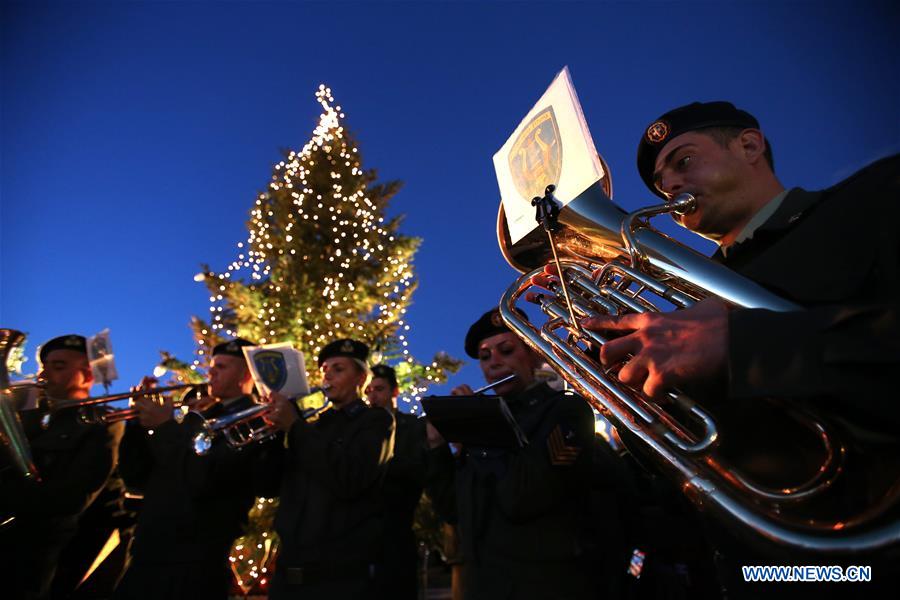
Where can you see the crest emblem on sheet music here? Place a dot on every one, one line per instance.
(535, 160)
(272, 368)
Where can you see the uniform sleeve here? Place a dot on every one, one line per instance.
(135, 460)
(554, 465)
(440, 482)
(351, 467)
(408, 462)
(74, 488)
(846, 353)
(225, 467)
(843, 349)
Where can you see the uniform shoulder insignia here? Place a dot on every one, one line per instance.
(562, 445)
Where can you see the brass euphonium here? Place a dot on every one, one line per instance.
(11, 433)
(616, 263)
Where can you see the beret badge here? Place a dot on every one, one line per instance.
(497, 320)
(657, 132)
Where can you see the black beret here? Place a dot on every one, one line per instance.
(348, 348)
(387, 373)
(232, 347)
(72, 341)
(698, 115)
(490, 323)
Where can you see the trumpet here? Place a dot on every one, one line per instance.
(244, 427)
(93, 409)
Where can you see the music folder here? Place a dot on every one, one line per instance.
(483, 421)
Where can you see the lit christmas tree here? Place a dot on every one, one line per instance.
(321, 262)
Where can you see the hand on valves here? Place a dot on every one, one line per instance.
(152, 410)
(282, 413)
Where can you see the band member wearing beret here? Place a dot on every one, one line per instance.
(520, 511)
(836, 353)
(403, 487)
(194, 506)
(330, 515)
(74, 460)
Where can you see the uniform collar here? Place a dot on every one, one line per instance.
(758, 220)
(353, 409)
(793, 207)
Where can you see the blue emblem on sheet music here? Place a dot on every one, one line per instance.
(272, 368)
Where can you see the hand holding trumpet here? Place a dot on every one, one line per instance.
(282, 414)
(152, 410)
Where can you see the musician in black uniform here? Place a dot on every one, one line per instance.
(521, 512)
(194, 506)
(74, 460)
(331, 515)
(835, 254)
(403, 487)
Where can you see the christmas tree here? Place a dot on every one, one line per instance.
(322, 261)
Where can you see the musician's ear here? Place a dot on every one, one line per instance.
(752, 145)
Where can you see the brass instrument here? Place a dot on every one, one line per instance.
(613, 263)
(243, 427)
(11, 432)
(93, 409)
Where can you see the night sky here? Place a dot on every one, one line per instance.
(136, 135)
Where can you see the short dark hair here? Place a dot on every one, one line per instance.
(724, 135)
(387, 373)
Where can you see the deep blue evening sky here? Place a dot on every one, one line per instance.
(135, 135)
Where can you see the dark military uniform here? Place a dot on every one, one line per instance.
(403, 487)
(826, 252)
(521, 512)
(74, 460)
(109, 515)
(330, 516)
(835, 253)
(193, 509)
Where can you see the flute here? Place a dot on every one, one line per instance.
(491, 386)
